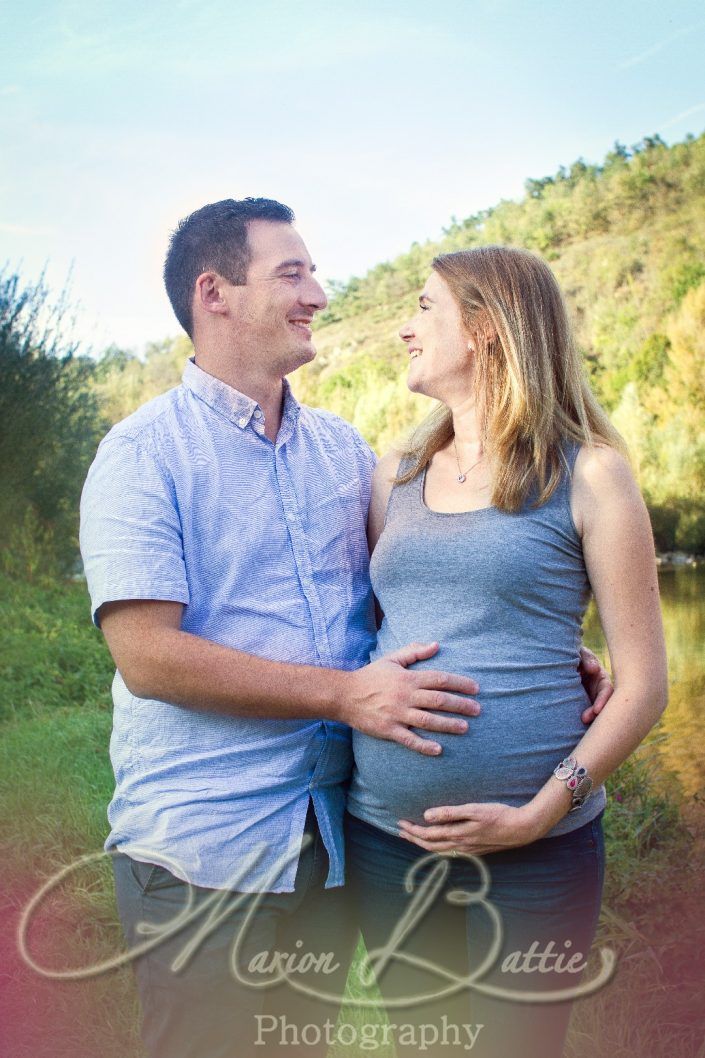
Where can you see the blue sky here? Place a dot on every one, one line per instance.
(376, 122)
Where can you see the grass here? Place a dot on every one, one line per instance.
(49, 654)
(55, 781)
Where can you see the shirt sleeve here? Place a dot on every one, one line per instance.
(131, 538)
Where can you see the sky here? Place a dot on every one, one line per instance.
(376, 122)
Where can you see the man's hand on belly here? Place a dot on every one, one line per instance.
(386, 700)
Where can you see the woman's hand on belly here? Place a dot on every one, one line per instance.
(475, 829)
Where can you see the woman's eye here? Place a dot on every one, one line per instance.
(424, 308)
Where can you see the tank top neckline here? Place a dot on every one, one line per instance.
(446, 514)
(421, 489)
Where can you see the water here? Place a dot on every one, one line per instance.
(680, 734)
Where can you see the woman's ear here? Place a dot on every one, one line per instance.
(485, 333)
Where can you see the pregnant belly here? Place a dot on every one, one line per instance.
(506, 755)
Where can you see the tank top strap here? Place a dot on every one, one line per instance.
(570, 451)
(558, 507)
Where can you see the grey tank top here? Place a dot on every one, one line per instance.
(504, 595)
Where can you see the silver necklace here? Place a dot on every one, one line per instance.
(462, 474)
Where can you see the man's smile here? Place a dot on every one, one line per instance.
(302, 324)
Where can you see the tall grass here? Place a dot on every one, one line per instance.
(55, 782)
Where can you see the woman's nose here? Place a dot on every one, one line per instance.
(406, 332)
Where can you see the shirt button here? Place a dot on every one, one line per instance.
(258, 413)
(242, 422)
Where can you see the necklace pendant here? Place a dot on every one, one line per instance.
(461, 478)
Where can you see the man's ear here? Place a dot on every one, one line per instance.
(209, 294)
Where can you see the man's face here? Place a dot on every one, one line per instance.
(272, 313)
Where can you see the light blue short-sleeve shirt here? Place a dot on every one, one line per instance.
(265, 546)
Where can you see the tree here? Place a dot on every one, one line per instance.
(685, 373)
(49, 427)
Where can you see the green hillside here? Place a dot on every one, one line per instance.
(627, 242)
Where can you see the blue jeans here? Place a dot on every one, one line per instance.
(202, 1010)
(548, 897)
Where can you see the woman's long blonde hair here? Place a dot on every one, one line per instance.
(532, 393)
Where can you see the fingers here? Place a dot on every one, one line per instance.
(588, 715)
(454, 833)
(417, 718)
(412, 652)
(588, 660)
(593, 710)
(434, 722)
(441, 847)
(605, 690)
(450, 813)
(444, 702)
(407, 738)
(438, 680)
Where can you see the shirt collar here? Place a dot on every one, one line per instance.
(238, 408)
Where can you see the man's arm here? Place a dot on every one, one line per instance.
(132, 547)
(158, 660)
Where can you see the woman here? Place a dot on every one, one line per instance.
(511, 503)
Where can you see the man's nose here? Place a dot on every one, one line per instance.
(314, 295)
(406, 333)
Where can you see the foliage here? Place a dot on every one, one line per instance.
(50, 656)
(626, 240)
(644, 834)
(55, 782)
(50, 428)
(123, 381)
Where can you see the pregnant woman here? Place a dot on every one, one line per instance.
(510, 504)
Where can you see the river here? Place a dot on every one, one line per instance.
(680, 734)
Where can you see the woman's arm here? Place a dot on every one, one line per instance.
(384, 474)
(612, 519)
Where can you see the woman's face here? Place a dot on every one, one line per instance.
(440, 353)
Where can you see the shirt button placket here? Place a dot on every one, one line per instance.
(302, 559)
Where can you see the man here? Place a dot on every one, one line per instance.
(223, 537)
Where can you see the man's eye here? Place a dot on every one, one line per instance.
(290, 275)
(424, 308)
